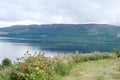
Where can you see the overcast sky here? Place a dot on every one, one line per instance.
(14, 12)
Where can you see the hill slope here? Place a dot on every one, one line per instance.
(78, 32)
(67, 37)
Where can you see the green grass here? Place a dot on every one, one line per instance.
(105, 69)
(5, 73)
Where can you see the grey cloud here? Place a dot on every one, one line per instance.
(61, 11)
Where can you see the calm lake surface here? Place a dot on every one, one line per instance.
(14, 48)
(11, 49)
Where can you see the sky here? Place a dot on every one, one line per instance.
(26, 12)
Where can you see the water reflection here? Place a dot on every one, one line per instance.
(16, 50)
(16, 47)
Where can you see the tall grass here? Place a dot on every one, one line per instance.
(5, 73)
(63, 65)
(117, 52)
(77, 58)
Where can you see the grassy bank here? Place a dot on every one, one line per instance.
(104, 69)
(63, 67)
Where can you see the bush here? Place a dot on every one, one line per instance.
(36, 67)
(6, 62)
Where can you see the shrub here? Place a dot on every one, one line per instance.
(36, 67)
(6, 62)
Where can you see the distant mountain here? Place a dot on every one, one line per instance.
(77, 31)
(86, 37)
(70, 33)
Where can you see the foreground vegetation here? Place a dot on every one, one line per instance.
(62, 67)
(104, 69)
